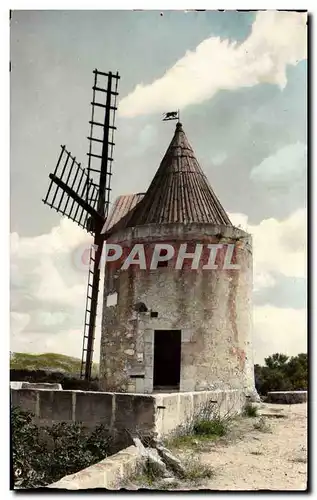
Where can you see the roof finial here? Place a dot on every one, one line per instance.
(171, 115)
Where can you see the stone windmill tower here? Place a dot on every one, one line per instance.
(177, 329)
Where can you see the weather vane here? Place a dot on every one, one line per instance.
(171, 115)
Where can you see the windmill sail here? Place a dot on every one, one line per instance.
(83, 195)
(71, 192)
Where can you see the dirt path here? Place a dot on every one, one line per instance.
(273, 460)
(268, 452)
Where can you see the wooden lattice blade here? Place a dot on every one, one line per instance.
(72, 194)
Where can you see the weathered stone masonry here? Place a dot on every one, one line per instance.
(212, 308)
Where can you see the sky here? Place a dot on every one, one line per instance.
(240, 82)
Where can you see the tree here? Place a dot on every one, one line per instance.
(282, 373)
(276, 361)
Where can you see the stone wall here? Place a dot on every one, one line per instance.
(286, 397)
(119, 412)
(171, 411)
(176, 409)
(109, 473)
(212, 308)
(122, 413)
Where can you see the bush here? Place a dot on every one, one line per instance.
(210, 428)
(42, 455)
(196, 470)
(282, 374)
(207, 422)
(250, 410)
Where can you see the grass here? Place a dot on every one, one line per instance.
(190, 440)
(262, 426)
(217, 428)
(250, 410)
(202, 431)
(207, 425)
(47, 362)
(195, 470)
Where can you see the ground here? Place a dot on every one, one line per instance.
(263, 453)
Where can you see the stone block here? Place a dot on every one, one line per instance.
(286, 397)
(139, 385)
(167, 413)
(148, 386)
(108, 473)
(187, 385)
(94, 408)
(42, 386)
(200, 399)
(187, 335)
(148, 372)
(148, 336)
(148, 349)
(134, 413)
(185, 408)
(26, 399)
(56, 405)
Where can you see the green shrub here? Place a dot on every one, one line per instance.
(208, 423)
(281, 373)
(215, 427)
(42, 455)
(196, 470)
(250, 410)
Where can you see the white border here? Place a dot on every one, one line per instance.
(4, 134)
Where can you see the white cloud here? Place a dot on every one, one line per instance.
(18, 321)
(262, 280)
(278, 330)
(277, 39)
(48, 291)
(278, 246)
(61, 239)
(287, 166)
(272, 251)
(219, 158)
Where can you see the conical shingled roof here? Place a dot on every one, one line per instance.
(180, 191)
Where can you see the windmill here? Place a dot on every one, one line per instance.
(83, 194)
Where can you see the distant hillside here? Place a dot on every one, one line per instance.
(48, 362)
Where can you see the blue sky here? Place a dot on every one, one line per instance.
(239, 80)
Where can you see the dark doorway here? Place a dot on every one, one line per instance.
(167, 359)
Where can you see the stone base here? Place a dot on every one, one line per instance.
(36, 385)
(175, 410)
(122, 413)
(287, 397)
(108, 473)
